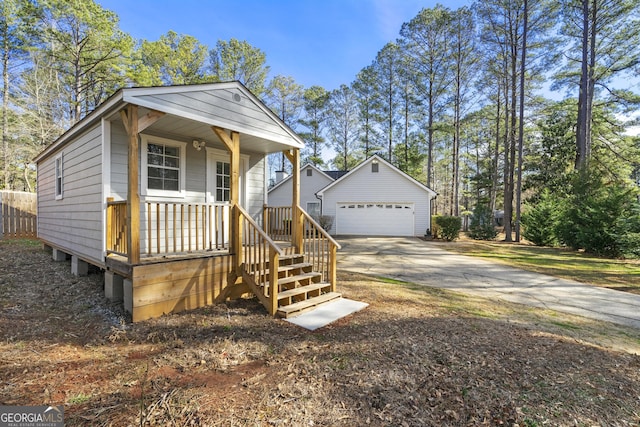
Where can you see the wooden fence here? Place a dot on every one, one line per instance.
(17, 214)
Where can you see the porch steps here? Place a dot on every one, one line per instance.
(302, 279)
(300, 307)
(284, 269)
(302, 293)
(300, 289)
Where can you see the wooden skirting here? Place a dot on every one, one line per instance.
(120, 265)
(177, 285)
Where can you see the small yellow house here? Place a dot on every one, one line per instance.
(165, 189)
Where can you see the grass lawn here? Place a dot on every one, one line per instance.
(417, 356)
(623, 275)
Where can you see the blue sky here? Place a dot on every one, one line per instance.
(317, 42)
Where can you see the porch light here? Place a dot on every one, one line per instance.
(198, 144)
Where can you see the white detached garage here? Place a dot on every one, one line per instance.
(377, 199)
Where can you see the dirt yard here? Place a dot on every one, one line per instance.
(414, 357)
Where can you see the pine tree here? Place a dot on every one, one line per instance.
(238, 60)
(315, 103)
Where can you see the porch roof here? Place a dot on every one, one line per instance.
(191, 111)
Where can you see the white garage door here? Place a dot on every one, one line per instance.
(374, 219)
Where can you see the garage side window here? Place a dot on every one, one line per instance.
(163, 167)
(313, 209)
(59, 177)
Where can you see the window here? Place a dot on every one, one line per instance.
(374, 166)
(310, 172)
(219, 176)
(163, 166)
(223, 181)
(313, 209)
(59, 177)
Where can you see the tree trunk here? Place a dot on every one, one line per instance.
(5, 106)
(506, 194)
(345, 153)
(583, 122)
(509, 189)
(390, 142)
(509, 176)
(430, 138)
(521, 117)
(456, 143)
(496, 157)
(406, 130)
(366, 136)
(592, 81)
(77, 92)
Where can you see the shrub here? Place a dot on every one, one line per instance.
(628, 230)
(326, 222)
(601, 218)
(540, 220)
(435, 228)
(482, 223)
(449, 227)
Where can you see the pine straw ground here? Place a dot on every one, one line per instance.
(414, 357)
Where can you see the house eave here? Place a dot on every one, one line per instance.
(366, 162)
(293, 142)
(308, 165)
(133, 96)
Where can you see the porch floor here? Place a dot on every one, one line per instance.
(120, 264)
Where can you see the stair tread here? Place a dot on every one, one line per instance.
(290, 256)
(308, 303)
(287, 267)
(294, 266)
(297, 277)
(302, 289)
(291, 279)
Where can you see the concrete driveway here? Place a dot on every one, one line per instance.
(414, 260)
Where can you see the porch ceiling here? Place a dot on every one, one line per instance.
(183, 129)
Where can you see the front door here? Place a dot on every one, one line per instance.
(219, 191)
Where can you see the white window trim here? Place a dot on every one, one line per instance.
(59, 192)
(214, 154)
(145, 140)
(313, 203)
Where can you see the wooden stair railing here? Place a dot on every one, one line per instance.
(258, 253)
(319, 248)
(286, 284)
(277, 222)
(317, 245)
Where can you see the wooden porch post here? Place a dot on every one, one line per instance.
(333, 266)
(134, 125)
(296, 221)
(233, 145)
(130, 119)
